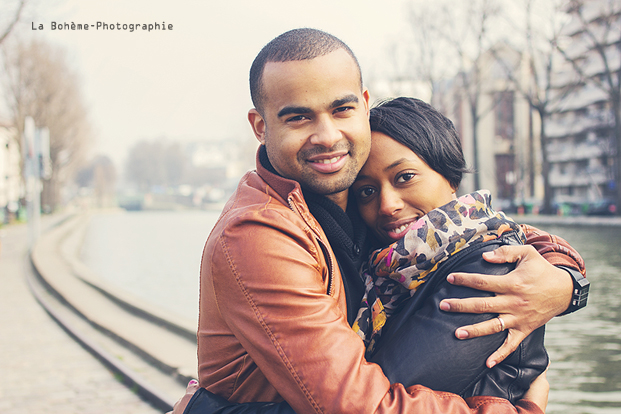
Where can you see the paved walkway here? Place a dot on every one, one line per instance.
(42, 370)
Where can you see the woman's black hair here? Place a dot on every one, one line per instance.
(425, 131)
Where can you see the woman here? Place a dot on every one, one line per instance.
(406, 194)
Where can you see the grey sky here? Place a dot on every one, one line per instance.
(191, 82)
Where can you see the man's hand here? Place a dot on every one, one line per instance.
(526, 298)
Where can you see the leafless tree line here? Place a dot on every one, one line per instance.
(37, 81)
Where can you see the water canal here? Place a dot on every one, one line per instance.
(156, 256)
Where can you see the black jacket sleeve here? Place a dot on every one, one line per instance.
(418, 343)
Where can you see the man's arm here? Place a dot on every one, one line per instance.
(526, 298)
(275, 303)
(205, 402)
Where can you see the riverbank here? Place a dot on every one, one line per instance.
(578, 221)
(43, 369)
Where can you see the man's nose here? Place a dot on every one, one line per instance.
(390, 202)
(326, 133)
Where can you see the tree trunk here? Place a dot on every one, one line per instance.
(545, 167)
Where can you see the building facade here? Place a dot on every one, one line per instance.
(580, 132)
(11, 189)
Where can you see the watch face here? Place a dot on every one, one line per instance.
(581, 293)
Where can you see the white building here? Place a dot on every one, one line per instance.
(581, 135)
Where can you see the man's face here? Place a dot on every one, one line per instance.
(315, 123)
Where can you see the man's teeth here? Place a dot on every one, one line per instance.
(330, 161)
(400, 229)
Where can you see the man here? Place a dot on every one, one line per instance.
(277, 293)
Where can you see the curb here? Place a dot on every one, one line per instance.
(126, 376)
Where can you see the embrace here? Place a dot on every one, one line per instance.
(346, 276)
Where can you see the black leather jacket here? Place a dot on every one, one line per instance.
(418, 345)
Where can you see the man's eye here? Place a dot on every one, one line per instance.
(343, 108)
(296, 118)
(366, 192)
(405, 177)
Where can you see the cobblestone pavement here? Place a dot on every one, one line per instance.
(42, 370)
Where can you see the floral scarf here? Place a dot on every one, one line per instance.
(393, 274)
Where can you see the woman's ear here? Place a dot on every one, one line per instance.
(258, 125)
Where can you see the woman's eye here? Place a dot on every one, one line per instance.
(366, 192)
(405, 177)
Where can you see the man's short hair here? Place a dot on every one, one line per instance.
(296, 44)
(425, 131)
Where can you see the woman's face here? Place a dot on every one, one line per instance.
(395, 188)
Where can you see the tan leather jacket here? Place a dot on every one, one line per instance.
(272, 322)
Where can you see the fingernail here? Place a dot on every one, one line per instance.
(445, 306)
(491, 364)
(461, 334)
(450, 278)
(193, 382)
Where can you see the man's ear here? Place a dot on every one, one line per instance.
(258, 125)
(365, 96)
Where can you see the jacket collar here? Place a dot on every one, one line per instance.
(283, 186)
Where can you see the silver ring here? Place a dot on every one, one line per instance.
(502, 324)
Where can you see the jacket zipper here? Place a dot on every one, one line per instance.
(326, 250)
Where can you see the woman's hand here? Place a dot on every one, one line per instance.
(183, 401)
(538, 391)
(526, 298)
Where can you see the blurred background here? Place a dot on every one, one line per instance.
(141, 116)
(137, 111)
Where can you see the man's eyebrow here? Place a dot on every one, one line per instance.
(345, 100)
(288, 110)
(298, 110)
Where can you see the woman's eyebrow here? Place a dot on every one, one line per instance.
(396, 163)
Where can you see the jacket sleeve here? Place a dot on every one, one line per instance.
(554, 248)
(418, 344)
(271, 291)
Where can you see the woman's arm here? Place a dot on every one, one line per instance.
(418, 345)
(526, 298)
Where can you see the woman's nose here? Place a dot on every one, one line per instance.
(390, 202)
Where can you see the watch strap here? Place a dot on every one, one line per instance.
(580, 292)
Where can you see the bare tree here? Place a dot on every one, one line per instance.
(429, 57)
(471, 39)
(542, 30)
(15, 13)
(40, 84)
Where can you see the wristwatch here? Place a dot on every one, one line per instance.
(580, 293)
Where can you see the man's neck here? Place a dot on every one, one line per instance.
(340, 199)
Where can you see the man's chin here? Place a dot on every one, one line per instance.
(329, 185)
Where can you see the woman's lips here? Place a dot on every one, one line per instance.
(397, 230)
